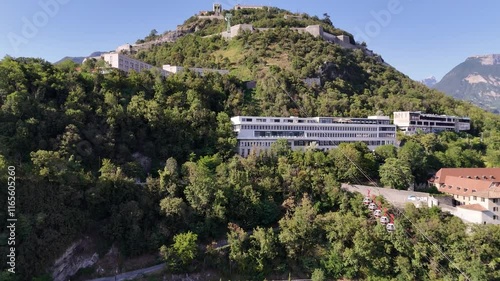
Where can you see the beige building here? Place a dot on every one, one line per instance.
(122, 62)
(239, 7)
(476, 192)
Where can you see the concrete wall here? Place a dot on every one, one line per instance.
(315, 30)
(293, 17)
(211, 17)
(471, 216)
(396, 197)
(201, 71)
(330, 37)
(236, 29)
(239, 7)
(344, 38)
(467, 215)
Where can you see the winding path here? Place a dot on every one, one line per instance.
(143, 271)
(132, 274)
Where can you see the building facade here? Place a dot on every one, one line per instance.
(411, 122)
(127, 64)
(475, 192)
(325, 133)
(240, 7)
(201, 71)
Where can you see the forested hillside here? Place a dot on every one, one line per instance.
(81, 140)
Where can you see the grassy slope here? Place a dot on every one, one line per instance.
(354, 84)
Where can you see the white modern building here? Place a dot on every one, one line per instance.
(201, 71)
(122, 62)
(475, 191)
(259, 133)
(411, 122)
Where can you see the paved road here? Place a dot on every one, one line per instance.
(139, 272)
(132, 274)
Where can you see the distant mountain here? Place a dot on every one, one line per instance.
(477, 79)
(79, 60)
(429, 82)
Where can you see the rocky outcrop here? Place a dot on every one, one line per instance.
(76, 257)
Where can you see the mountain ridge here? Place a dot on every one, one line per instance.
(477, 80)
(429, 81)
(79, 60)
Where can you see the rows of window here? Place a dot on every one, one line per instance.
(276, 120)
(321, 120)
(134, 65)
(278, 134)
(474, 198)
(342, 135)
(314, 128)
(441, 124)
(267, 144)
(354, 121)
(256, 143)
(338, 142)
(437, 118)
(369, 143)
(299, 134)
(387, 135)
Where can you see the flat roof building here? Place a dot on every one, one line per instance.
(122, 62)
(411, 122)
(240, 7)
(259, 133)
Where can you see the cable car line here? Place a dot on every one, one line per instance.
(301, 109)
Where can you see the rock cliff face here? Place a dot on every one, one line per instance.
(76, 257)
(477, 79)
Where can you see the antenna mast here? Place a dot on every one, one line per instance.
(228, 18)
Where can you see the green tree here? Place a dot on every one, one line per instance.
(237, 239)
(396, 173)
(281, 147)
(352, 160)
(182, 252)
(202, 193)
(169, 177)
(263, 248)
(226, 138)
(298, 229)
(413, 155)
(383, 152)
(318, 275)
(185, 246)
(326, 19)
(173, 207)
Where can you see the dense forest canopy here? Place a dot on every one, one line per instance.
(81, 141)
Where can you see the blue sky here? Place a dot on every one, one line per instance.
(419, 37)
